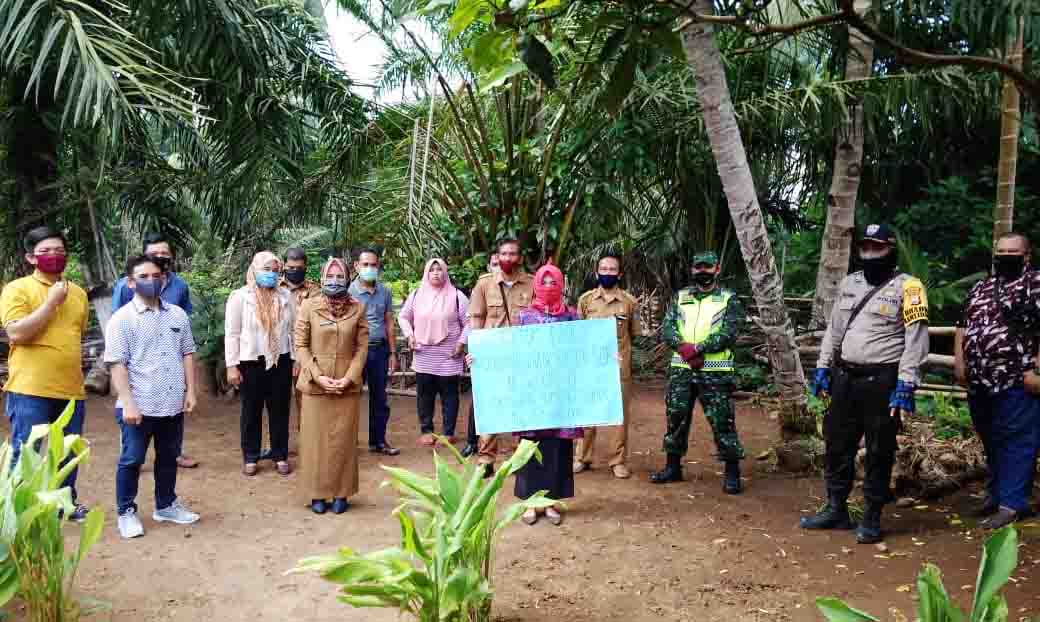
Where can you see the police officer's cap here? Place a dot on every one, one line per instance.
(879, 233)
(710, 258)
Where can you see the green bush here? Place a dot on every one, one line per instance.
(999, 558)
(442, 570)
(210, 287)
(33, 564)
(951, 418)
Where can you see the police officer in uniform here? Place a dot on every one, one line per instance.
(496, 302)
(870, 363)
(701, 327)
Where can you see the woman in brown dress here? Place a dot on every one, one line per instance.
(331, 347)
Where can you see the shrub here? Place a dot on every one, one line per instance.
(999, 558)
(442, 570)
(33, 564)
(951, 418)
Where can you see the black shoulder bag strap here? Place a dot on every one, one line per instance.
(505, 301)
(836, 356)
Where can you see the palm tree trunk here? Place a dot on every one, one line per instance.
(1010, 119)
(841, 200)
(720, 122)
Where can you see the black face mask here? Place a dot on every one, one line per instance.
(877, 270)
(1008, 267)
(162, 262)
(704, 279)
(335, 290)
(607, 281)
(295, 275)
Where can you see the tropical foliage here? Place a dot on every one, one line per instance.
(449, 523)
(999, 559)
(34, 565)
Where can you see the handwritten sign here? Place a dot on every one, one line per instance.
(543, 376)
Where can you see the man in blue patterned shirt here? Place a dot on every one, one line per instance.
(150, 348)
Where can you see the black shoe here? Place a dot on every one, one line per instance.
(672, 472)
(318, 506)
(731, 484)
(78, 514)
(340, 505)
(469, 450)
(489, 470)
(386, 449)
(1003, 518)
(834, 516)
(869, 530)
(989, 507)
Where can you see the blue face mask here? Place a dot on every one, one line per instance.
(368, 273)
(148, 289)
(267, 279)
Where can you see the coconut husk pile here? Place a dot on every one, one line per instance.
(929, 467)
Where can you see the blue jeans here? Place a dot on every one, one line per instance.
(1009, 426)
(25, 411)
(168, 433)
(375, 376)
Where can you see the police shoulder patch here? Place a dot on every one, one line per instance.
(915, 301)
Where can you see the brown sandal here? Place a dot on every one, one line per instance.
(249, 469)
(283, 468)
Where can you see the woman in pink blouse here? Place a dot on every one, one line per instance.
(433, 319)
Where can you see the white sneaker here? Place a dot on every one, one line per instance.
(129, 525)
(176, 513)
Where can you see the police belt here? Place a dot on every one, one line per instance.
(857, 370)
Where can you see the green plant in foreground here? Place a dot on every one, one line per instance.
(442, 570)
(33, 564)
(999, 558)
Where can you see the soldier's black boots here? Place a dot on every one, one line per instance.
(834, 516)
(869, 530)
(731, 482)
(672, 471)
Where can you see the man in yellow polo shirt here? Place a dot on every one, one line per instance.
(44, 316)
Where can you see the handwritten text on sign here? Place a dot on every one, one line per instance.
(543, 376)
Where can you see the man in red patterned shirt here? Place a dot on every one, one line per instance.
(994, 353)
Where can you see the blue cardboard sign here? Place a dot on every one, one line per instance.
(543, 376)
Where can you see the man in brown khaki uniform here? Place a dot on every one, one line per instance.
(611, 302)
(294, 279)
(496, 302)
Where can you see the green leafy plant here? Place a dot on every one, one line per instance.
(449, 523)
(999, 558)
(33, 563)
(951, 418)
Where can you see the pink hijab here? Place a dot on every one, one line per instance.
(435, 307)
(549, 298)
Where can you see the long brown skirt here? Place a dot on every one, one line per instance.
(328, 446)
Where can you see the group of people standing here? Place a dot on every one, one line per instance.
(301, 351)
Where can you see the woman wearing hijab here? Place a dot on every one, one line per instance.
(332, 346)
(258, 346)
(554, 473)
(433, 319)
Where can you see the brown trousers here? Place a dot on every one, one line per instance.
(585, 447)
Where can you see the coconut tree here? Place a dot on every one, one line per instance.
(847, 168)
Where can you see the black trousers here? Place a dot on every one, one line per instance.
(270, 388)
(859, 406)
(428, 387)
(471, 430)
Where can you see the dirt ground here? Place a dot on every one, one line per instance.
(628, 550)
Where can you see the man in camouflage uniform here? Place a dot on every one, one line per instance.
(870, 363)
(701, 327)
(994, 357)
